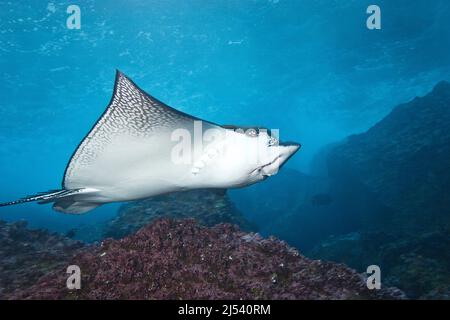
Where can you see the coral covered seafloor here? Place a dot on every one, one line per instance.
(180, 259)
(26, 255)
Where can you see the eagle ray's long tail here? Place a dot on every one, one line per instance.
(44, 197)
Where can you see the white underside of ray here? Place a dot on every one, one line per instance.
(127, 155)
(132, 168)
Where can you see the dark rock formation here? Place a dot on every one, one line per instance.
(404, 160)
(419, 266)
(382, 197)
(181, 260)
(404, 163)
(26, 255)
(207, 207)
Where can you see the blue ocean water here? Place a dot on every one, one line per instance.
(309, 68)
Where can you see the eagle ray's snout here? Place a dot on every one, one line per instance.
(284, 151)
(288, 149)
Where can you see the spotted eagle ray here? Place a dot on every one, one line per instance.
(131, 154)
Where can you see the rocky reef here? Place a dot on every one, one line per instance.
(172, 259)
(380, 197)
(207, 207)
(420, 265)
(404, 162)
(26, 255)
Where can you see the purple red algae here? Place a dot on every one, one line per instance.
(180, 259)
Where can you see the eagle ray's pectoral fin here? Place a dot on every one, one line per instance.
(132, 121)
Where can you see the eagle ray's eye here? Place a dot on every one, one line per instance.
(272, 141)
(252, 133)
